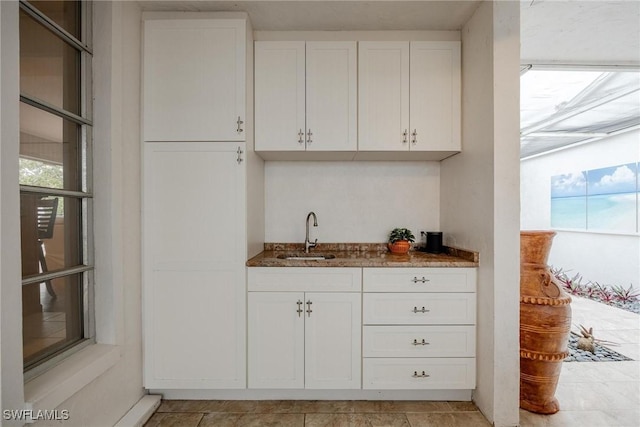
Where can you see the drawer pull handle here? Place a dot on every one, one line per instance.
(423, 342)
(423, 280)
(422, 310)
(422, 375)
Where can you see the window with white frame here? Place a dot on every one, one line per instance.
(55, 178)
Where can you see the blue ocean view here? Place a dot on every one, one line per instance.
(604, 199)
(615, 212)
(569, 212)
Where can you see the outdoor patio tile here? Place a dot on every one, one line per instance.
(626, 417)
(584, 372)
(591, 396)
(632, 351)
(565, 418)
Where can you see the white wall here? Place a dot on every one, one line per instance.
(599, 257)
(354, 201)
(480, 200)
(117, 216)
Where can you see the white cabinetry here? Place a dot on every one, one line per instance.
(194, 276)
(194, 207)
(409, 99)
(419, 328)
(194, 78)
(304, 328)
(305, 97)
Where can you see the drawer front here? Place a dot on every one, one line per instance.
(304, 279)
(419, 373)
(419, 309)
(419, 341)
(419, 279)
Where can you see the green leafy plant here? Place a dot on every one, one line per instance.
(574, 284)
(614, 295)
(398, 234)
(625, 295)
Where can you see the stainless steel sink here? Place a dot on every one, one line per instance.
(306, 257)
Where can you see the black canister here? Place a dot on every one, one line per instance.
(434, 242)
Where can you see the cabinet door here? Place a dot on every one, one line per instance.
(276, 339)
(331, 96)
(435, 96)
(280, 96)
(333, 341)
(194, 274)
(383, 96)
(194, 79)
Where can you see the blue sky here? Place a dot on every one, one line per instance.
(569, 185)
(613, 180)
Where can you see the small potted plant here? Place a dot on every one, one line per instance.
(400, 240)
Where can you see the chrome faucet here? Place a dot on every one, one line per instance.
(307, 244)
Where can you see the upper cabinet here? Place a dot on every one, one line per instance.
(305, 98)
(194, 79)
(409, 99)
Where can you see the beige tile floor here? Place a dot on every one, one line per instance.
(286, 413)
(591, 394)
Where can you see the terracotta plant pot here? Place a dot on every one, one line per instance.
(545, 323)
(400, 247)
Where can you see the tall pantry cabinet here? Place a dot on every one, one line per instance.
(195, 144)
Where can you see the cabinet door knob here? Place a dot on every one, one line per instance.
(239, 122)
(416, 342)
(423, 280)
(421, 310)
(405, 134)
(309, 134)
(414, 139)
(239, 152)
(300, 137)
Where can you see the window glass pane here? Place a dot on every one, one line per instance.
(49, 150)
(51, 321)
(64, 13)
(49, 67)
(50, 230)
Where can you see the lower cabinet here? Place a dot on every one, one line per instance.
(352, 328)
(304, 339)
(419, 328)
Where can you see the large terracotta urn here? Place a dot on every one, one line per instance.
(545, 324)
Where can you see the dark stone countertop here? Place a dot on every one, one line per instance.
(360, 255)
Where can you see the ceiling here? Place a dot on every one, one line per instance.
(560, 108)
(336, 15)
(552, 31)
(580, 32)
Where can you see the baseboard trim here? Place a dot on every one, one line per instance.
(141, 411)
(435, 395)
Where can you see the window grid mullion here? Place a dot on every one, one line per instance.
(53, 27)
